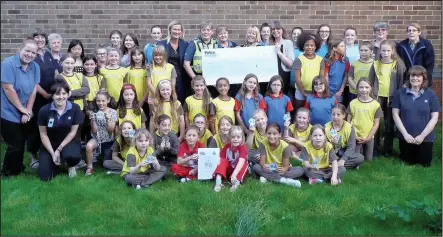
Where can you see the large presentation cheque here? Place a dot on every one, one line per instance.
(236, 63)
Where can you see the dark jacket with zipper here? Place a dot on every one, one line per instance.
(423, 54)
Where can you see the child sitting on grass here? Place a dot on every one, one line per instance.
(187, 157)
(318, 154)
(165, 142)
(141, 169)
(233, 161)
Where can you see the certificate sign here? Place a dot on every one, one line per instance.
(236, 63)
(208, 159)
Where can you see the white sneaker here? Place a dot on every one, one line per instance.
(293, 182)
(263, 180)
(218, 188)
(138, 186)
(184, 180)
(112, 172)
(72, 172)
(234, 187)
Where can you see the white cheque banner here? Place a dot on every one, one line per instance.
(236, 63)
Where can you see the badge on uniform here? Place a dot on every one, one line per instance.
(51, 123)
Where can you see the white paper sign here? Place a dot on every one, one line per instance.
(236, 63)
(208, 159)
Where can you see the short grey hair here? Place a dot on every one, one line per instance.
(55, 36)
(381, 24)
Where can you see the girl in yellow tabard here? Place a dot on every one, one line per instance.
(360, 68)
(141, 169)
(306, 67)
(113, 74)
(222, 105)
(137, 74)
(319, 159)
(364, 114)
(165, 102)
(386, 76)
(341, 135)
(220, 139)
(90, 70)
(78, 84)
(123, 141)
(258, 135)
(159, 70)
(203, 133)
(129, 107)
(199, 102)
(298, 133)
(274, 160)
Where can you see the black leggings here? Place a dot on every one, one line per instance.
(416, 154)
(71, 154)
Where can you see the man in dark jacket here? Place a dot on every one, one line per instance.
(415, 50)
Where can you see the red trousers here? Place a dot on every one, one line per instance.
(225, 170)
(182, 171)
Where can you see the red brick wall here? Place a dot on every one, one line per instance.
(91, 21)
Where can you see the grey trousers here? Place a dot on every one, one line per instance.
(324, 173)
(252, 157)
(112, 165)
(292, 173)
(354, 160)
(146, 179)
(366, 149)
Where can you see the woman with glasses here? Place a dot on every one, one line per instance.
(416, 50)
(381, 30)
(324, 32)
(285, 52)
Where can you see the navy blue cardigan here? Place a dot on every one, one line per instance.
(423, 55)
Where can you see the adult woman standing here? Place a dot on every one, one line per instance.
(415, 112)
(58, 124)
(253, 37)
(285, 52)
(223, 38)
(48, 68)
(224, 42)
(20, 76)
(55, 42)
(416, 50)
(175, 50)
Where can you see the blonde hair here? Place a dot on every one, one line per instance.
(235, 129)
(394, 55)
(174, 23)
(160, 50)
(255, 30)
(143, 132)
(158, 104)
(415, 25)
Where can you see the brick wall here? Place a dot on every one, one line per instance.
(91, 21)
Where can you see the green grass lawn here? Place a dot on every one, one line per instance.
(105, 205)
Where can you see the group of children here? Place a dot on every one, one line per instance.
(254, 132)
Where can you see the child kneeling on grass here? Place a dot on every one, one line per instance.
(317, 155)
(141, 169)
(165, 142)
(233, 161)
(187, 157)
(274, 159)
